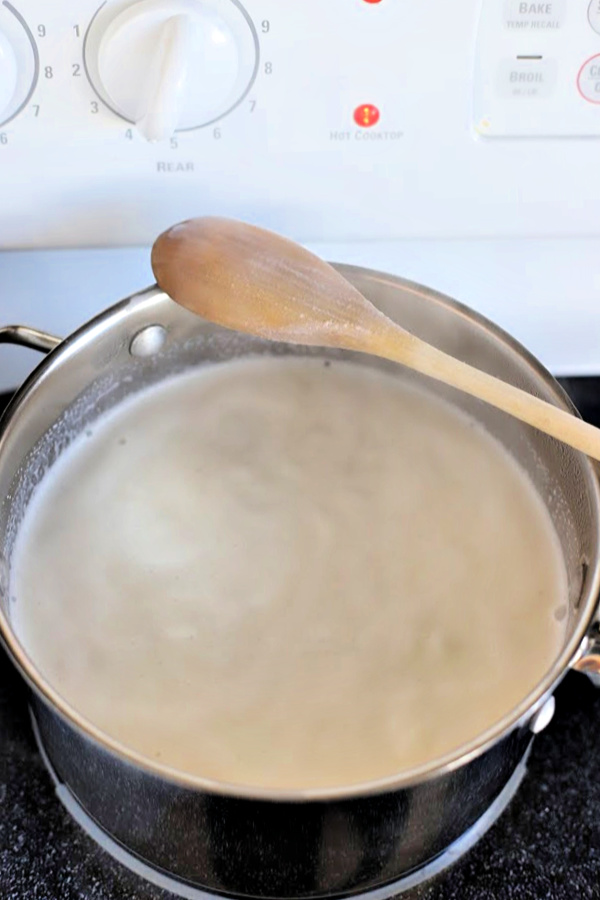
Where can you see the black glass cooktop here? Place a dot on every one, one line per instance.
(545, 846)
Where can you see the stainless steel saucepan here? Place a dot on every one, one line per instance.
(244, 841)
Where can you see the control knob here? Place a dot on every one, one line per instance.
(171, 65)
(18, 63)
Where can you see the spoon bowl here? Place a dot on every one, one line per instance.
(255, 281)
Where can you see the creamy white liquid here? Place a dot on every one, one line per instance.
(281, 573)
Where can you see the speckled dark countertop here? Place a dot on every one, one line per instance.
(546, 845)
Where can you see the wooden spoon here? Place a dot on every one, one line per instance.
(253, 280)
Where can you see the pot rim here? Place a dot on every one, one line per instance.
(443, 765)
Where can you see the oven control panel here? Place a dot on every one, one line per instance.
(538, 69)
(330, 121)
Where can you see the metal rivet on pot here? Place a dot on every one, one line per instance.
(543, 716)
(148, 340)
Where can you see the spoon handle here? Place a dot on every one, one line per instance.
(398, 345)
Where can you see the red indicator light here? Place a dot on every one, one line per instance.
(372, 1)
(366, 115)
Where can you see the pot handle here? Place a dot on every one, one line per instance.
(28, 337)
(589, 661)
